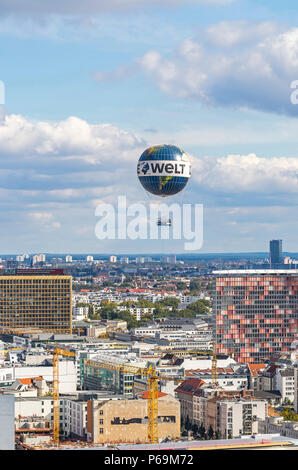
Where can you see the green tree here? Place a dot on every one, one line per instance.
(210, 432)
(202, 432)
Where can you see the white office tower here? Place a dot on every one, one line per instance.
(140, 260)
(124, 260)
(38, 259)
(89, 259)
(68, 259)
(113, 259)
(20, 258)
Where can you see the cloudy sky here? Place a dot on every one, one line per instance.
(89, 85)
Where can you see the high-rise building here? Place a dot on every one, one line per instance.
(113, 259)
(68, 259)
(89, 259)
(256, 312)
(38, 259)
(34, 298)
(276, 257)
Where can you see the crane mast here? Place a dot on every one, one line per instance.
(153, 380)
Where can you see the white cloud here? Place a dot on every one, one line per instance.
(52, 176)
(72, 137)
(247, 173)
(231, 64)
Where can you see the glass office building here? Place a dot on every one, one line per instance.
(256, 313)
(276, 257)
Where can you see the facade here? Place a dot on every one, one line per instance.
(194, 396)
(285, 382)
(73, 417)
(120, 421)
(255, 377)
(227, 379)
(36, 301)
(277, 425)
(80, 313)
(256, 313)
(296, 389)
(7, 422)
(276, 257)
(67, 375)
(235, 417)
(116, 382)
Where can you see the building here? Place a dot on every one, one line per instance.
(89, 259)
(35, 298)
(235, 417)
(138, 312)
(68, 259)
(277, 425)
(256, 313)
(276, 258)
(232, 412)
(80, 313)
(126, 421)
(7, 422)
(285, 382)
(67, 375)
(296, 389)
(254, 376)
(227, 378)
(113, 259)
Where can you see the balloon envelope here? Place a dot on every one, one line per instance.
(164, 170)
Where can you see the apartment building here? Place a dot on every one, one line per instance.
(235, 417)
(285, 383)
(120, 421)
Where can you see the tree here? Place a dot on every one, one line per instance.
(289, 415)
(195, 429)
(187, 424)
(202, 432)
(210, 432)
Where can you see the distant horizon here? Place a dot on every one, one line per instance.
(185, 255)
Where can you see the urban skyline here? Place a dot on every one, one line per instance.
(149, 250)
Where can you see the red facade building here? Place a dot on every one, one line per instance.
(256, 313)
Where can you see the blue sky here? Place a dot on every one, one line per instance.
(89, 88)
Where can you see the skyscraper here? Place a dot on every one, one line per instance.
(276, 257)
(34, 298)
(256, 312)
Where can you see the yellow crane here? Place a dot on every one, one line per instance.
(153, 378)
(56, 354)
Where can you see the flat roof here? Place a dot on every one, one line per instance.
(257, 271)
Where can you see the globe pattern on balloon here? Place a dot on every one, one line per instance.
(166, 157)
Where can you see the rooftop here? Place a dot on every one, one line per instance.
(290, 272)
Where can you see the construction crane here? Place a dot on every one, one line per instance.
(56, 354)
(153, 378)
